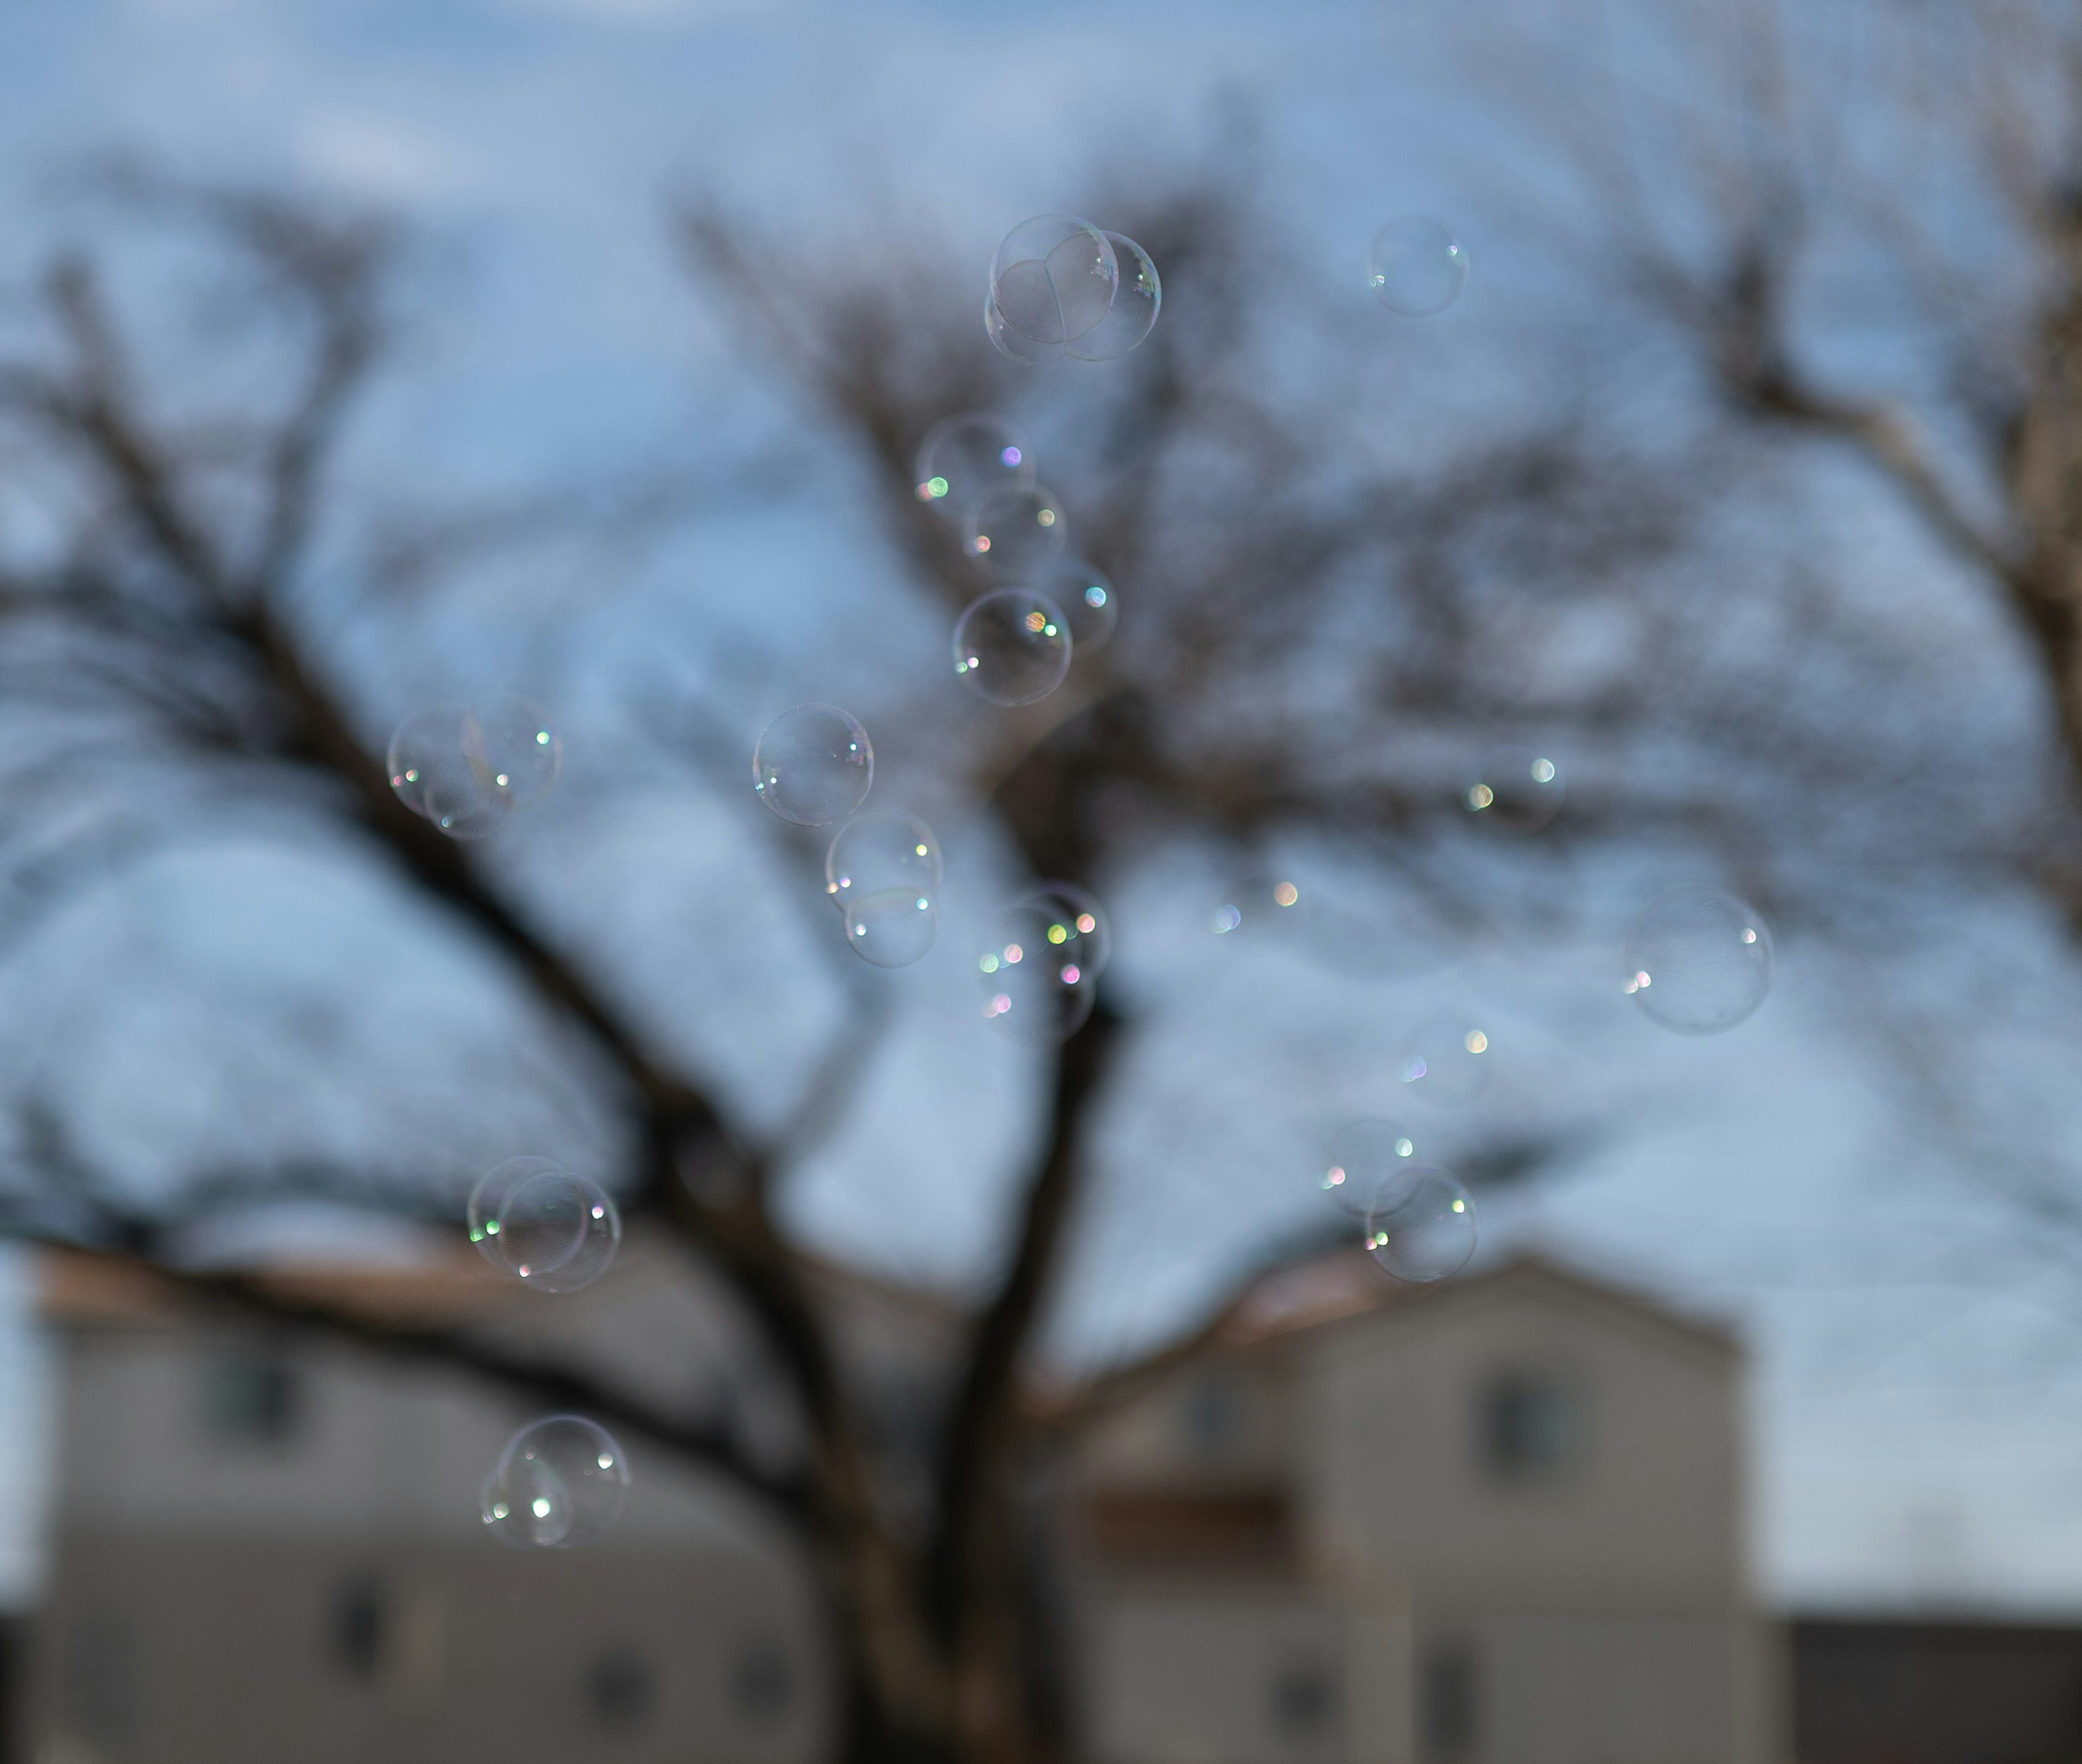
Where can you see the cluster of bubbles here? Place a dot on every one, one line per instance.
(1059, 286)
(1040, 970)
(1014, 643)
(560, 1482)
(467, 770)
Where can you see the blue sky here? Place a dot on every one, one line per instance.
(1919, 1397)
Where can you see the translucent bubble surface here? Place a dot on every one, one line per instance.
(966, 457)
(1363, 1156)
(512, 750)
(1040, 970)
(813, 765)
(1012, 647)
(555, 1229)
(887, 853)
(1017, 532)
(1416, 266)
(1138, 294)
(1449, 1061)
(560, 1482)
(1012, 345)
(1519, 790)
(1255, 905)
(1053, 278)
(1088, 599)
(892, 928)
(1421, 1224)
(1699, 961)
(431, 769)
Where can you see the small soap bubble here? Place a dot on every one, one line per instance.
(966, 457)
(1052, 281)
(1449, 1061)
(1421, 1224)
(431, 771)
(1517, 788)
(513, 752)
(1416, 266)
(559, 1483)
(813, 765)
(1257, 905)
(1088, 600)
(1012, 647)
(893, 928)
(1362, 1158)
(1699, 961)
(556, 1230)
(1039, 972)
(884, 853)
(1137, 296)
(1017, 532)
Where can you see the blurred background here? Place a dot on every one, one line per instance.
(986, 1400)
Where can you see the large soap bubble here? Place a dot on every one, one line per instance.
(964, 458)
(560, 1482)
(1421, 1224)
(1416, 266)
(813, 765)
(1053, 280)
(555, 1229)
(1137, 296)
(512, 750)
(1089, 601)
(1017, 531)
(1449, 1061)
(879, 853)
(1363, 1156)
(1699, 961)
(1012, 647)
(1040, 970)
(1517, 788)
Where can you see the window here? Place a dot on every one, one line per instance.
(1212, 1417)
(1304, 1701)
(250, 1397)
(762, 1685)
(1450, 1703)
(102, 1671)
(1531, 1427)
(355, 1625)
(621, 1686)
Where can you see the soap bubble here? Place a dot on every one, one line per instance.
(892, 928)
(1416, 266)
(431, 769)
(1363, 1156)
(1013, 646)
(813, 765)
(1087, 599)
(1009, 342)
(1518, 789)
(1422, 1225)
(1447, 1061)
(1699, 961)
(1053, 280)
(560, 1482)
(556, 1230)
(1253, 906)
(512, 750)
(1137, 296)
(1017, 531)
(1040, 971)
(884, 853)
(966, 457)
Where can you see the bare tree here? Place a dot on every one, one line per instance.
(1319, 635)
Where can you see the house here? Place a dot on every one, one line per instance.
(1497, 1522)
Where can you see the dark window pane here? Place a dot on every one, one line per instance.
(621, 1686)
(1530, 1426)
(763, 1684)
(1304, 1701)
(1450, 1714)
(250, 1397)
